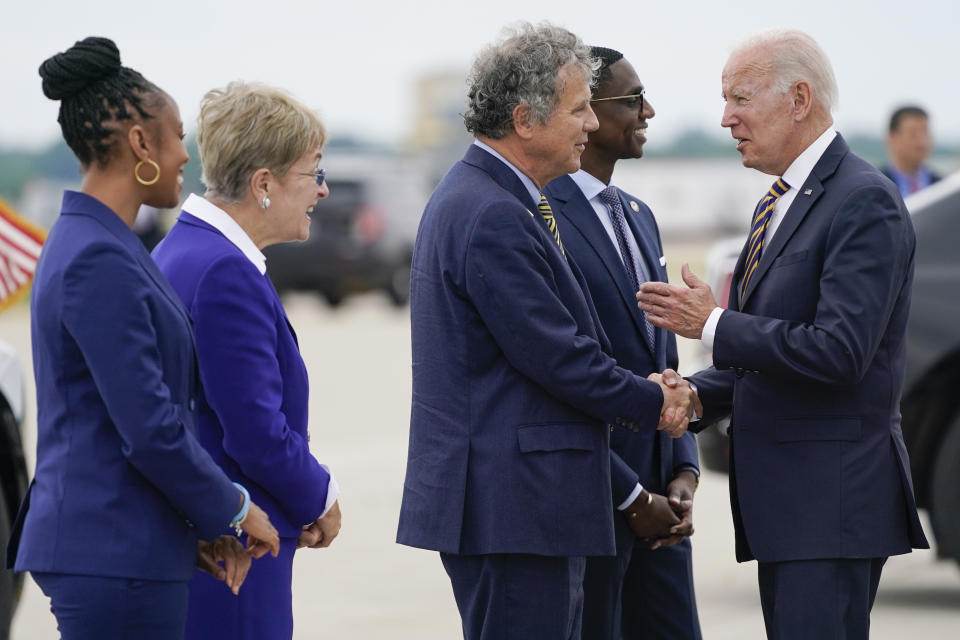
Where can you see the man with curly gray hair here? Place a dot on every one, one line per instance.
(509, 467)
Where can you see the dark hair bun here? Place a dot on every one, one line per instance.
(67, 74)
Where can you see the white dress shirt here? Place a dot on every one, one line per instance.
(220, 220)
(795, 175)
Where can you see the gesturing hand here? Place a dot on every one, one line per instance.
(228, 550)
(650, 516)
(320, 533)
(682, 310)
(261, 535)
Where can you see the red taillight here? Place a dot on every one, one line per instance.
(369, 224)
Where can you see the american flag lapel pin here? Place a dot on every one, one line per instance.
(807, 192)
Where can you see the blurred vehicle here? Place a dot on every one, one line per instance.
(361, 235)
(13, 475)
(930, 404)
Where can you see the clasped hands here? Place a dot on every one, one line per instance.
(664, 520)
(225, 558)
(235, 558)
(680, 402)
(262, 537)
(321, 532)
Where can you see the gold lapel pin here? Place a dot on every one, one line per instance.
(635, 206)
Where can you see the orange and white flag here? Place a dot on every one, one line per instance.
(20, 243)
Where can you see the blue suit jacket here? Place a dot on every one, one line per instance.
(653, 455)
(119, 470)
(512, 391)
(812, 361)
(253, 414)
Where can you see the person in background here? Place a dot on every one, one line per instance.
(613, 238)
(810, 352)
(109, 527)
(908, 147)
(260, 150)
(147, 227)
(509, 466)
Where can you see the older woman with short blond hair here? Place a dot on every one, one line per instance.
(261, 150)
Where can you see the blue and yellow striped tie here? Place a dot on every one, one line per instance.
(757, 232)
(547, 213)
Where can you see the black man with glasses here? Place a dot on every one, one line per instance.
(263, 179)
(646, 590)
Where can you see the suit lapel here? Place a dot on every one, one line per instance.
(807, 196)
(577, 212)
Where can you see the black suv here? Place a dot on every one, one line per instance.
(930, 404)
(361, 235)
(13, 476)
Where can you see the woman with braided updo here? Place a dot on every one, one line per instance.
(123, 490)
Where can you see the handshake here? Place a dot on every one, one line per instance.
(680, 402)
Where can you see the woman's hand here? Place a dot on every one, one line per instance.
(320, 533)
(228, 550)
(261, 535)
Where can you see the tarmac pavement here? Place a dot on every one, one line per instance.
(365, 586)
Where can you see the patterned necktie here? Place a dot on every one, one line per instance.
(757, 232)
(611, 197)
(547, 213)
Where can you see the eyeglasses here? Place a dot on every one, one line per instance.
(319, 174)
(639, 97)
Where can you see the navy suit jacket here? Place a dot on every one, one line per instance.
(653, 455)
(119, 469)
(812, 360)
(512, 390)
(253, 414)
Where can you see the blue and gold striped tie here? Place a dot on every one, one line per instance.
(547, 213)
(757, 232)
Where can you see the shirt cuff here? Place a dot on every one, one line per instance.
(677, 470)
(633, 496)
(710, 328)
(696, 417)
(333, 491)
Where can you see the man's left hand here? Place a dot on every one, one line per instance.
(682, 310)
(680, 496)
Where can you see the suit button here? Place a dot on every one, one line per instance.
(738, 372)
(192, 405)
(611, 428)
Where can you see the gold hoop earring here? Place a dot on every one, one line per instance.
(136, 172)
